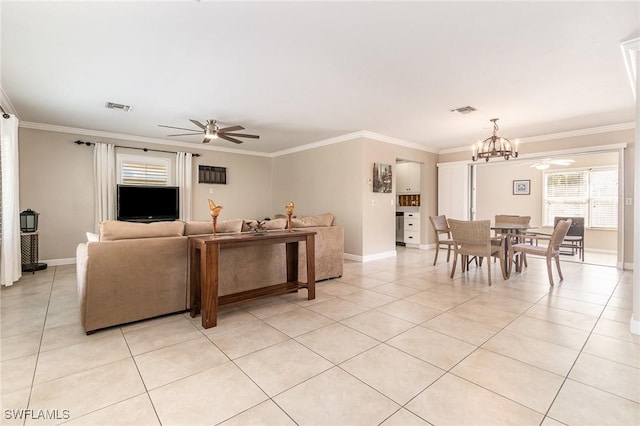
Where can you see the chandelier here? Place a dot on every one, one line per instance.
(494, 146)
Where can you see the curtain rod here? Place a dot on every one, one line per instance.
(79, 142)
(4, 114)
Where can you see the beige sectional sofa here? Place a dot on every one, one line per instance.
(136, 271)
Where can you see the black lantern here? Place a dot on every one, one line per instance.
(29, 220)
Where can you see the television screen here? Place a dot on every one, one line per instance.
(147, 203)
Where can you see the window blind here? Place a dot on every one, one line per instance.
(144, 173)
(588, 193)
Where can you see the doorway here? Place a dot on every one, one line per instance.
(583, 188)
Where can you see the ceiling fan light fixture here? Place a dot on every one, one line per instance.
(208, 134)
(494, 146)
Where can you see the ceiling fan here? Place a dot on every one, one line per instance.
(548, 162)
(211, 130)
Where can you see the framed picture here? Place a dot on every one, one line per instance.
(381, 177)
(521, 187)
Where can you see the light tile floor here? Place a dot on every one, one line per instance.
(392, 342)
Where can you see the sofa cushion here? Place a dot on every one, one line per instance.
(112, 230)
(206, 227)
(92, 237)
(316, 220)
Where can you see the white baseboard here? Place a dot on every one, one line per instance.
(634, 326)
(369, 257)
(628, 266)
(427, 246)
(59, 262)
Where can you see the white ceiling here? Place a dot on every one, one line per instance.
(301, 72)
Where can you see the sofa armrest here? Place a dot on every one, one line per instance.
(129, 280)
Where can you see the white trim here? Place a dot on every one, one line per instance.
(627, 266)
(562, 135)
(120, 136)
(325, 142)
(370, 257)
(634, 326)
(60, 262)
(318, 144)
(352, 136)
(400, 142)
(453, 163)
(427, 246)
(543, 154)
(630, 49)
(6, 104)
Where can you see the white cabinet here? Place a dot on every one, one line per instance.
(412, 228)
(408, 178)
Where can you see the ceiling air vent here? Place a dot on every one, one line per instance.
(122, 107)
(464, 110)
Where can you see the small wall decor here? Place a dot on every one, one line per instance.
(381, 177)
(212, 174)
(521, 187)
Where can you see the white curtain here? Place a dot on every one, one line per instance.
(184, 182)
(10, 254)
(104, 177)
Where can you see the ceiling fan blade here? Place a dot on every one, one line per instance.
(186, 134)
(227, 138)
(179, 128)
(199, 124)
(240, 135)
(231, 129)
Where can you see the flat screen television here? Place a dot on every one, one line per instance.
(147, 203)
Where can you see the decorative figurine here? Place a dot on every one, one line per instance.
(215, 211)
(257, 227)
(289, 208)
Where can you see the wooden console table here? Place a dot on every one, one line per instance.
(204, 255)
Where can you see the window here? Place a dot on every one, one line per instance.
(143, 170)
(588, 193)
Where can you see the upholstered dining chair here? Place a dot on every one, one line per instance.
(441, 227)
(552, 251)
(473, 238)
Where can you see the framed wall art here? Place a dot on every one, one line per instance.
(521, 187)
(382, 177)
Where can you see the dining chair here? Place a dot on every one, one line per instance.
(513, 237)
(575, 236)
(551, 251)
(473, 238)
(441, 226)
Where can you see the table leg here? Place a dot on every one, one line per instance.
(292, 261)
(194, 279)
(311, 266)
(209, 257)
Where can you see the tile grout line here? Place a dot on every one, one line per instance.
(44, 323)
(580, 354)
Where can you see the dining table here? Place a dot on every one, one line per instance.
(508, 230)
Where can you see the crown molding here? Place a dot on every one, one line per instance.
(355, 135)
(561, 135)
(120, 136)
(318, 144)
(6, 103)
(630, 50)
(400, 142)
